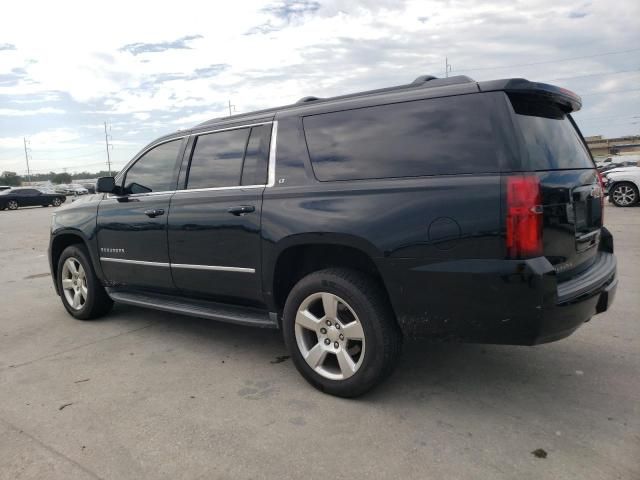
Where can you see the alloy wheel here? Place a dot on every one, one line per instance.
(12, 205)
(56, 202)
(330, 336)
(624, 195)
(74, 283)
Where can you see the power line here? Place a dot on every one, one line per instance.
(47, 150)
(108, 145)
(579, 117)
(612, 91)
(81, 155)
(473, 69)
(593, 75)
(26, 156)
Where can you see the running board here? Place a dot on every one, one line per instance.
(196, 308)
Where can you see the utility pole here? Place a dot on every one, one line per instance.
(26, 157)
(106, 142)
(231, 108)
(447, 67)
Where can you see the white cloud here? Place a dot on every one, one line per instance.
(13, 112)
(182, 67)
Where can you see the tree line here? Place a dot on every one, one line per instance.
(12, 179)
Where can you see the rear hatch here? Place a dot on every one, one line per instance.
(570, 189)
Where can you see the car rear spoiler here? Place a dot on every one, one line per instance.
(566, 99)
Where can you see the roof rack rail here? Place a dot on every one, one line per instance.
(308, 99)
(423, 79)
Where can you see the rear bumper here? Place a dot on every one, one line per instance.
(580, 299)
(500, 301)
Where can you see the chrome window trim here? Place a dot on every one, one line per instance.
(213, 267)
(218, 268)
(249, 125)
(134, 262)
(271, 168)
(208, 189)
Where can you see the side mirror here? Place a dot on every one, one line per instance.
(106, 185)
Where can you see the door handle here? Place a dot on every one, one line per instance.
(155, 212)
(241, 209)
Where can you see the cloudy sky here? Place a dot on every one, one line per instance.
(149, 69)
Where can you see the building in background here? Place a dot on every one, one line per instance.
(605, 147)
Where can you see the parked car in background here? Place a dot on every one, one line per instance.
(28, 197)
(622, 185)
(72, 189)
(612, 165)
(4, 187)
(78, 189)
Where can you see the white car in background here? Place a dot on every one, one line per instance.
(622, 185)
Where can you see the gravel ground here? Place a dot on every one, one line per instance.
(144, 394)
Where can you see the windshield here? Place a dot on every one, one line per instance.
(551, 140)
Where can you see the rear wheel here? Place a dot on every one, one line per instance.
(56, 202)
(82, 294)
(12, 205)
(341, 331)
(624, 194)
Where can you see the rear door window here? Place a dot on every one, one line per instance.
(217, 159)
(439, 136)
(550, 137)
(256, 159)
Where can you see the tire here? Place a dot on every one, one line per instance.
(56, 202)
(12, 205)
(624, 194)
(359, 302)
(93, 301)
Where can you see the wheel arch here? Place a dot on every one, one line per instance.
(300, 255)
(63, 239)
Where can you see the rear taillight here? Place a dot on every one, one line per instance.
(524, 216)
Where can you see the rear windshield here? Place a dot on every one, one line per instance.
(439, 136)
(551, 140)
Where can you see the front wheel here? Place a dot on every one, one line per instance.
(624, 194)
(82, 294)
(341, 332)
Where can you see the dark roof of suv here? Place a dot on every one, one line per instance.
(445, 86)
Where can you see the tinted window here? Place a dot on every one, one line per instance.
(550, 138)
(155, 170)
(426, 137)
(256, 159)
(217, 159)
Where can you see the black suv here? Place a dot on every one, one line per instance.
(444, 208)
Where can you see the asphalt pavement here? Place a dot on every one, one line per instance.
(145, 394)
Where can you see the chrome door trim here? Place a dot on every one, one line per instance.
(218, 268)
(134, 262)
